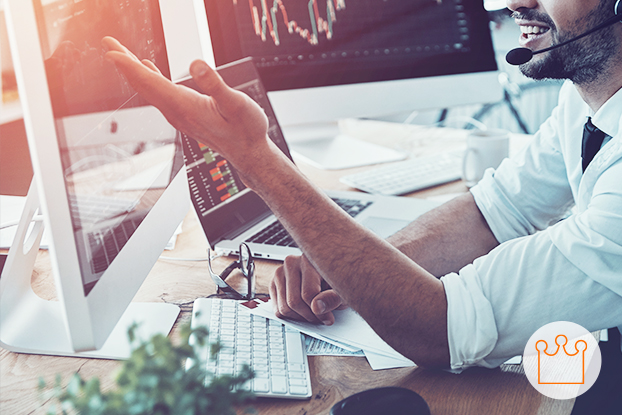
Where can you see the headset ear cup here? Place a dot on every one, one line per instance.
(617, 9)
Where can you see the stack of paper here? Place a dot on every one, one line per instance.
(317, 347)
(349, 332)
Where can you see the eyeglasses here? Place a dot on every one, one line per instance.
(246, 265)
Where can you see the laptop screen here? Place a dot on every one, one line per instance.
(225, 206)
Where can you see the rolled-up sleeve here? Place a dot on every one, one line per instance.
(498, 302)
(528, 192)
(472, 331)
(570, 271)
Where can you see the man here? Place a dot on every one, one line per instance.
(510, 255)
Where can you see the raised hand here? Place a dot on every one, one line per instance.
(226, 120)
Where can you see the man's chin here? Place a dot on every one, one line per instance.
(542, 67)
(531, 73)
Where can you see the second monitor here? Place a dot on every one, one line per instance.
(324, 60)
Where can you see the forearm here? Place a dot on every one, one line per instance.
(447, 238)
(404, 303)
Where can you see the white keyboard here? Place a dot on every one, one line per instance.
(408, 176)
(274, 352)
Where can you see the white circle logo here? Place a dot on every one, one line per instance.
(562, 360)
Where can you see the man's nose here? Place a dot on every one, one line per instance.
(514, 5)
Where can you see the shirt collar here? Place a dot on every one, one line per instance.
(609, 116)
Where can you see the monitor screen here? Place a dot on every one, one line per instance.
(118, 153)
(302, 44)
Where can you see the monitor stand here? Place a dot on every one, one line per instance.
(30, 324)
(324, 147)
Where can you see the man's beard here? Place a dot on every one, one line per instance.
(582, 61)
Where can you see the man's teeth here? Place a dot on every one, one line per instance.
(533, 30)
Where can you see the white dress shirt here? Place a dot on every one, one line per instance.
(560, 230)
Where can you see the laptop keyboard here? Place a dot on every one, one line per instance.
(275, 353)
(276, 234)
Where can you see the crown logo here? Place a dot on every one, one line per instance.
(561, 368)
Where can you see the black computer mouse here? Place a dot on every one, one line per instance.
(382, 401)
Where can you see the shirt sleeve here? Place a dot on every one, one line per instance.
(528, 192)
(570, 271)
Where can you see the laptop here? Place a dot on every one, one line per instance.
(231, 214)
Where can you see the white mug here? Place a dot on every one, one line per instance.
(485, 149)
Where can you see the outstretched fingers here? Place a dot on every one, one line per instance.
(113, 45)
(226, 120)
(151, 66)
(144, 77)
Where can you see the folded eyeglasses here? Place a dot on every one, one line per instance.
(246, 266)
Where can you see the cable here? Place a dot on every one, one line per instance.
(169, 258)
(37, 218)
(463, 119)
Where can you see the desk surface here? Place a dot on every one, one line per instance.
(476, 391)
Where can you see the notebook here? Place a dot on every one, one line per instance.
(230, 213)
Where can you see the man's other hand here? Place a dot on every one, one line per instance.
(297, 293)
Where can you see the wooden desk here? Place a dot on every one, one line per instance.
(476, 391)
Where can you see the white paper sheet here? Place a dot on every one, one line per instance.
(349, 328)
(379, 362)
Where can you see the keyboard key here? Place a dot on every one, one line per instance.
(277, 366)
(278, 372)
(239, 355)
(260, 368)
(261, 385)
(294, 347)
(279, 384)
(297, 382)
(245, 386)
(262, 375)
(295, 367)
(277, 358)
(298, 390)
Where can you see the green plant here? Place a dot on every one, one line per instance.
(154, 381)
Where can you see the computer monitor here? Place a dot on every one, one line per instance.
(89, 133)
(324, 60)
